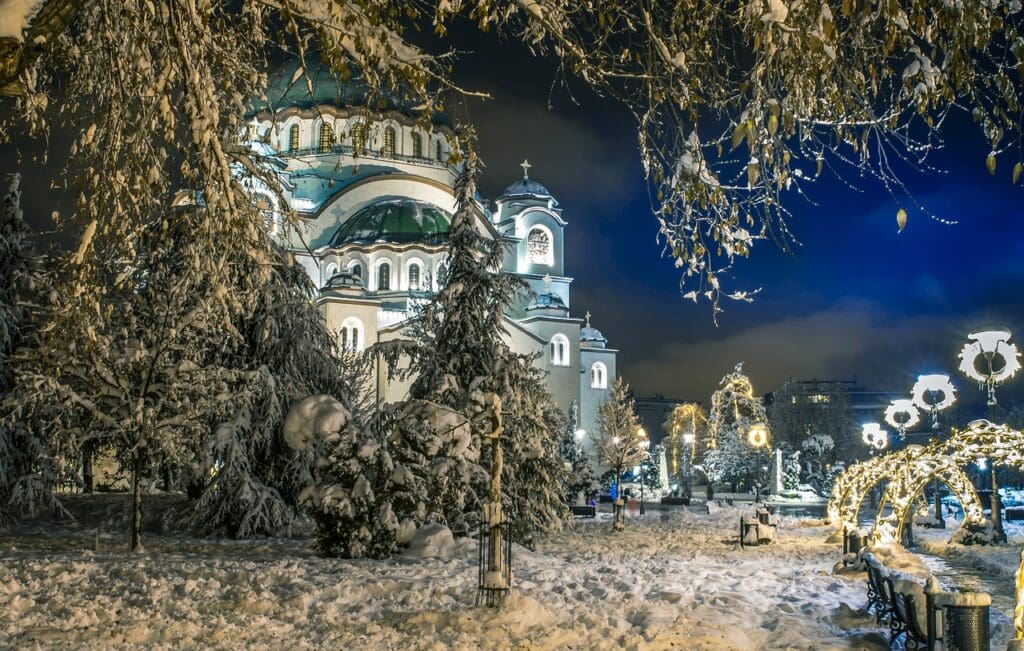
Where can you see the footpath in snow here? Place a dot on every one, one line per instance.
(675, 580)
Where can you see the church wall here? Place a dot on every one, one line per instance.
(563, 382)
(591, 399)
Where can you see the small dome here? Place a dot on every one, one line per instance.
(344, 279)
(525, 188)
(547, 301)
(399, 221)
(591, 337)
(592, 334)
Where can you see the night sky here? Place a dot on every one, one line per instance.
(856, 301)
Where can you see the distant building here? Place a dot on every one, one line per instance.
(866, 404)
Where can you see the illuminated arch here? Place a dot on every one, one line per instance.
(841, 487)
(865, 477)
(908, 483)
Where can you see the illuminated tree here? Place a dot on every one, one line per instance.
(734, 408)
(688, 419)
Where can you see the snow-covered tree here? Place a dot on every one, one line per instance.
(26, 471)
(791, 472)
(582, 482)
(248, 478)
(734, 408)
(619, 441)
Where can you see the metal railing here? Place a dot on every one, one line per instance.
(363, 153)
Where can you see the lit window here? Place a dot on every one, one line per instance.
(352, 333)
(293, 137)
(414, 276)
(559, 350)
(598, 376)
(389, 141)
(538, 247)
(326, 137)
(359, 138)
(417, 145)
(384, 277)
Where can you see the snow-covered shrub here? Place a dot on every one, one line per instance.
(974, 533)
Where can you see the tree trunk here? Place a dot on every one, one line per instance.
(87, 477)
(136, 545)
(168, 478)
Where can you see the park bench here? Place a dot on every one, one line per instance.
(920, 617)
(584, 511)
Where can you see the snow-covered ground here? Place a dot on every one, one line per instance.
(671, 580)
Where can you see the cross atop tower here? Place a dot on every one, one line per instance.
(526, 169)
(586, 318)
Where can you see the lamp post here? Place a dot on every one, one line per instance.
(688, 439)
(757, 437)
(644, 445)
(999, 360)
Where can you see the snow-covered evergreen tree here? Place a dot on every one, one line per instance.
(582, 482)
(26, 471)
(734, 408)
(685, 421)
(791, 472)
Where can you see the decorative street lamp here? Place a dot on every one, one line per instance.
(645, 443)
(999, 361)
(757, 437)
(688, 439)
(990, 345)
(902, 414)
(873, 435)
(926, 392)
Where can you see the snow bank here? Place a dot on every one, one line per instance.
(679, 581)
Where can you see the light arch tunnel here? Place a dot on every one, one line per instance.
(908, 471)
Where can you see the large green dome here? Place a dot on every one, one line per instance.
(286, 88)
(398, 221)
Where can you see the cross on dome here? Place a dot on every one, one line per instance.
(526, 168)
(586, 318)
(547, 282)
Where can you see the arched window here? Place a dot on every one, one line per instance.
(389, 142)
(417, 145)
(352, 335)
(293, 137)
(559, 350)
(598, 376)
(329, 272)
(356, 269)
(438, 150)
(326, 137)
(538, 246)
(414, 276)
(383, 277)
(359, 137)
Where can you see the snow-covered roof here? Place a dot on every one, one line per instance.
(547, 301)
(525, 188)
(592, 335)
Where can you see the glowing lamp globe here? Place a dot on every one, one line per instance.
(928, 386)
(757, 436)
(580, 433)
(902, 414)
(875, 436)
(1000, 359)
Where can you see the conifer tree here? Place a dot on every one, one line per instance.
(734, 408)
